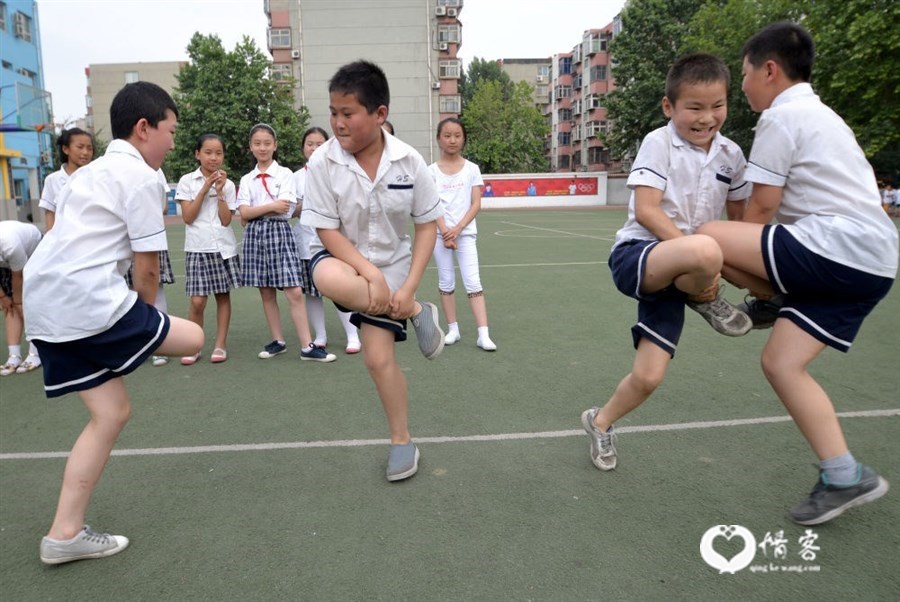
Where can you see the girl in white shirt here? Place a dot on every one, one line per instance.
(208, 201)
(459, 186)
(76, 149)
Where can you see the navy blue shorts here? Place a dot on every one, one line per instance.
(826, 299)
(398, 327)
(83, 364)
(660, 314)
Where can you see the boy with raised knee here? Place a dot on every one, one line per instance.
(684, 175)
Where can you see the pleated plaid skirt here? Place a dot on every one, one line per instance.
(209, 274)
(165, 271)
(270, 257)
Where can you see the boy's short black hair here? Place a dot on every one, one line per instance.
(136, 101)
(787, 44)
(365, 80)
(699, 68)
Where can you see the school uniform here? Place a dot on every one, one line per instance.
(270, 257)
(834, 251)
(373, 215)
(53, 184)
(18, 241)
(88, 326)
(305, 235)
(212, 264)
(455, 192)
(166, 275)
(696, 184)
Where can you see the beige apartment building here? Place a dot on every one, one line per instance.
(536, 72)
(414, 41)
(105, 80)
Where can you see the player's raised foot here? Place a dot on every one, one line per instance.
(314, 353)
(723, 316)
(428, 330)
(403, 461)
(827, 501)
(272, 349)
(86, 544)
(603, 444)
(762, 312)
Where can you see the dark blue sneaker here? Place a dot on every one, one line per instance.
(762, 312)
(828, 501)
(314, 353)
(272, 349)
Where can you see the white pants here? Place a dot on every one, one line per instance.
(466, 256)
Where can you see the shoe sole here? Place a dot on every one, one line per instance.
(323, 360)
(405, 475)
(871, 496)
(434, 320)
(102, 554)
(265, 355)
(587, 423)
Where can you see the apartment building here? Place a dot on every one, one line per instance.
(580, 81)
(105, 80)
(25, 145)
(536, 72)
(415, 41)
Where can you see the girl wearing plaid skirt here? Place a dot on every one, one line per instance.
(266, 200)
(208, 201)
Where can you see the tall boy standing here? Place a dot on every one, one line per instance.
(832, 254)
(363, 188)
(107, 215)
(684, 173)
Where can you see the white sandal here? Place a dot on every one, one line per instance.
(32, 362)
(11, 365)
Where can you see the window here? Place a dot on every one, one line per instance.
(449, 2)
(598, 154)
(565, 114)
(576, 81)
(131, 77)
(542, 90)
(2, 16)
(282, 71)
(563, 91)
(599, 43)
(543, 71)
(576, 107)
(280, 37)
(449, 104)
(564, 138)
(565, 65)
(576, 158)
(598, 73)
(22, 24)
(88, 101)
(564, 161)
(449, 69)
(7, 65)
(594, 101)
(448, 33)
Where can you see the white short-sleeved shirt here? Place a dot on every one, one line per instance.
(18, 241)
(53, 184)
(695, 183)
(455, 192)
(305, 235)
(830, 200)
(75, 280)
(279, 186)
(373, 215)
(206, 234)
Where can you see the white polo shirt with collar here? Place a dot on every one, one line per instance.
(279, 186)
(830, 201)
(206, 234)
(53, 185)
(695, 183)
(75, 280)
(18, 241)
(373, 215)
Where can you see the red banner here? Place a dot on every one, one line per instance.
(539, 187)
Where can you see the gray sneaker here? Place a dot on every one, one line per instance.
(86, 544)
(828, 501)
(763, 313)
(603, 445)
(403, 461)
(428, 330)
(723, 316)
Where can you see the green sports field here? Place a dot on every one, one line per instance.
(264, 480)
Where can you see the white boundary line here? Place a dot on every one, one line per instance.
(555, 231)
(344, 443)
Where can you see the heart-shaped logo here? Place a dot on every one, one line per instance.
(725, 565)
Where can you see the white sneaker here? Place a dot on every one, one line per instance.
(32, 362)
(486, 343)
(452, 337)
(160, 360)
(11, 365)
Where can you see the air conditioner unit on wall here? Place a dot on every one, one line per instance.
(452, 12)
(540, 79)
(443, 46)
(295, 54)
(435, 85)
(440, 11)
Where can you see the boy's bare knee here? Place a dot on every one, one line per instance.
(707, 251)
(647, 381)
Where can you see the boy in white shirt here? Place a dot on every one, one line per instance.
(683, 175)
(832, 254)
(363, 188)
(108, 215)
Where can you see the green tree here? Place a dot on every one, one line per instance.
(483, 70)
(652, 31)
(505, 135)
(226, 93)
